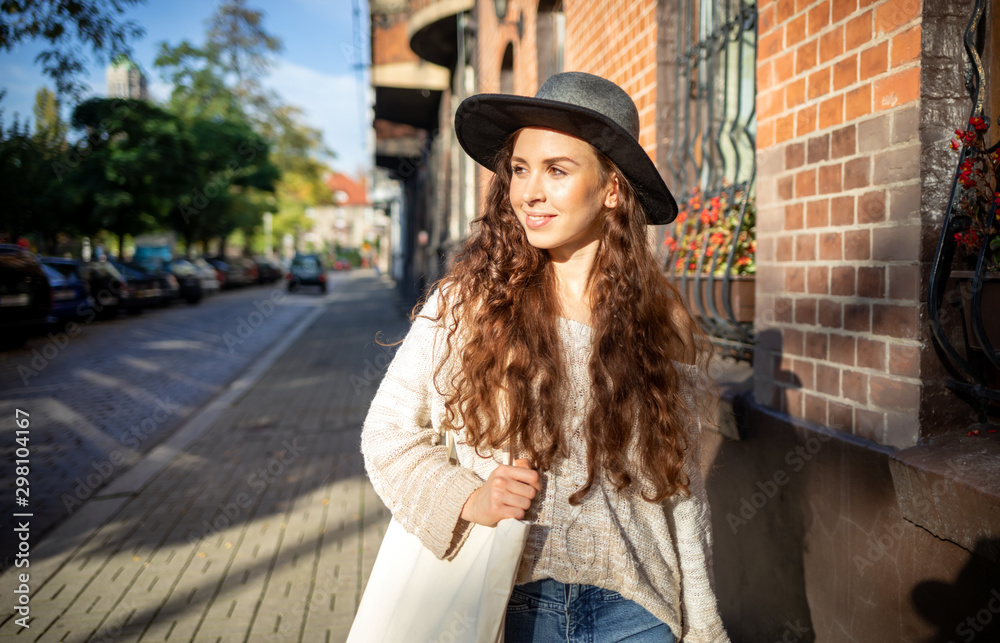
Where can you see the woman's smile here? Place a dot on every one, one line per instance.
(536, 221)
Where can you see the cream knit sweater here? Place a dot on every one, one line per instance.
(656, 554)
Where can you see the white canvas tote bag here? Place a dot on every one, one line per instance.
(414, 597)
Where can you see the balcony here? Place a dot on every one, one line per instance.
(409, 92)
(433, 30)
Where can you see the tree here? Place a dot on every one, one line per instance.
(199, 86)
(134, 167)
(36, 200)
(229, 167)
(50, 130)
(222, 77)
(23, 176)
(63, 24)
(220, 80)
(236, 33)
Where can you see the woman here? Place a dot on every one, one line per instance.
(556, 336)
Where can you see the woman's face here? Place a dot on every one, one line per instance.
(557, 191)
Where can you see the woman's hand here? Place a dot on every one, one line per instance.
(507, 494)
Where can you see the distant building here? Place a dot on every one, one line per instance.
(350, 220)
(126, 80)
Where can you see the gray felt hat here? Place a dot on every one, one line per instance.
(582, 105)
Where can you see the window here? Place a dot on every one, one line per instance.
(550, 33)
(507, 71)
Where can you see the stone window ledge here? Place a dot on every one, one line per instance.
(951, 487)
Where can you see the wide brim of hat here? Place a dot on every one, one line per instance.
(484, 121)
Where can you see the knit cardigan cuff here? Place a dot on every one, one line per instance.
(443, 530)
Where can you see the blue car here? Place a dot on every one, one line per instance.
(70, 292)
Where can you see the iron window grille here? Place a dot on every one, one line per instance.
(712, 161)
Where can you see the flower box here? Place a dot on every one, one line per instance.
(741, 297)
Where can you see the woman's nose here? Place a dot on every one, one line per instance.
(532, 191)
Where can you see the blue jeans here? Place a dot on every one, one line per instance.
(548, 611)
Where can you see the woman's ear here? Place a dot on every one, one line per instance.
(611, 198)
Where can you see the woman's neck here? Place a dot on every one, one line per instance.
(572, 274)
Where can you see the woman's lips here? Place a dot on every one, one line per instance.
(536, 221)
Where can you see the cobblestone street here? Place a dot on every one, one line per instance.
(99, 400)
(253, 521)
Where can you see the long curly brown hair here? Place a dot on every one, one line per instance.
(501, 302)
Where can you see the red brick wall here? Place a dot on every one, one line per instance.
(616, 39)
(839, 213)
(593, 29)
(389, 43)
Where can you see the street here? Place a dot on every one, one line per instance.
(259, 524)
(101, 398)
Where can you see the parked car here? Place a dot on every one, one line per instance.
(25, 295)
(170, 288)
(71, 299)
(249, 268)
(208, 274)
(236, 274)
(221, 271)
(189, 279)
(108, 288)
(306, 270)
(143, 289)
(340, 263)
(268, 271)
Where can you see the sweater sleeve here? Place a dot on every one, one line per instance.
(693, 528)
(405, 460)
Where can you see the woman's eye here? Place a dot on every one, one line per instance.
(517, 169)
(557, 171)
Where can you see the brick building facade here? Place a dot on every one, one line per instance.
(849, 502)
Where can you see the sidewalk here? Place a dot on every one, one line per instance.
(255, 522)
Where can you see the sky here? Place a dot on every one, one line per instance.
(315, 71)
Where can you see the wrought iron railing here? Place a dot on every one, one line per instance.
(966, 336)
(712, 159)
